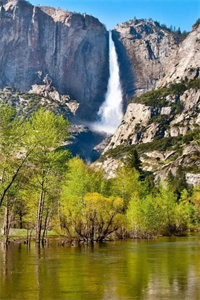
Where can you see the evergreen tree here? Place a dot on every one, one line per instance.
(133, 160)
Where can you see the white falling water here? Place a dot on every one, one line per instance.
(111, 112)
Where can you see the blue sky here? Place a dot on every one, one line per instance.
(179, 13)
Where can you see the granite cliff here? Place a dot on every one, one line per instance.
(144, 48)
(71, 48)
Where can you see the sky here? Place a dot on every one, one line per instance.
(179, 13)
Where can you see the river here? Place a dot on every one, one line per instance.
(167, 268)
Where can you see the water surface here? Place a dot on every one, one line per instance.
(168, 268)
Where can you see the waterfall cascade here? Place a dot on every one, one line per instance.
(111, 112)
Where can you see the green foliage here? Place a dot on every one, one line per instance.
(195, 199)
(133, 160)
(159, 213)
(177, 183)
(158, 97)
(29, 151)
(153, 98)
(42, 189)
(126, 184)
(95, 218)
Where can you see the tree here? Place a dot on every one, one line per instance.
(126, 185)
(144, 216)
(80, 180)
(178, 182)
(46, 132)
(13, 150)
(95, 218)
(195, 200)
(133, 160)
(184, 213)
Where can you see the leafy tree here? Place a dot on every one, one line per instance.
(13, 150)
(47, 132)
(159, 213)
(126, 185)
(144, 217)
(184, 213)
(82, 179)
(195, 200)
(95, 218)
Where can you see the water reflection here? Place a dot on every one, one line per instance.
(163, 269)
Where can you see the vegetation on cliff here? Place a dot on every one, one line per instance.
(158, 96)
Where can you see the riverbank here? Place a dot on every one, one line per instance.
(22, 236)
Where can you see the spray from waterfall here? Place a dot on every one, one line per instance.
(111, 111)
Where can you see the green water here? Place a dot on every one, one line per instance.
(168, 268)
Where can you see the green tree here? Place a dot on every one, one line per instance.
(13, 150)
(46, 132)
(133, 160)
(95, 218)
(144, 217)
(126, 185)
(195, 200)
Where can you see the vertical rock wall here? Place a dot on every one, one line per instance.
(71, 48)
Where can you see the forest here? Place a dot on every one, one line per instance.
(44, 189)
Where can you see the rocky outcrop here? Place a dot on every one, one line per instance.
(71, 48)
(109, 165)
(142, 123)
(189, 161)
(163, 125)
(165, 134)
(144, 49)
(137, 117)
(172, 110)
(184, 63)
(39, 96)
(49, 92)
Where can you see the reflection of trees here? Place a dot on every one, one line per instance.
(119, 270)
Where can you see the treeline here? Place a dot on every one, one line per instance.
(42, 188)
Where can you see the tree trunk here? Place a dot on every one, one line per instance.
(7, 219)
(45, 227)
(20, 220)
(39, 215)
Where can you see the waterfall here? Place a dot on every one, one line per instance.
(111, 111)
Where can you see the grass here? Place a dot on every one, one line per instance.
(21, 234)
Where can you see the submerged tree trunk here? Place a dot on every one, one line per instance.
(45, 227)
(40, 215)
(7, 221)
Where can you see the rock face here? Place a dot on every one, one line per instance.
(137, 115)
(163, 125)
(71, 48)
(144, 49)
(184, 63)
(142, 123)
